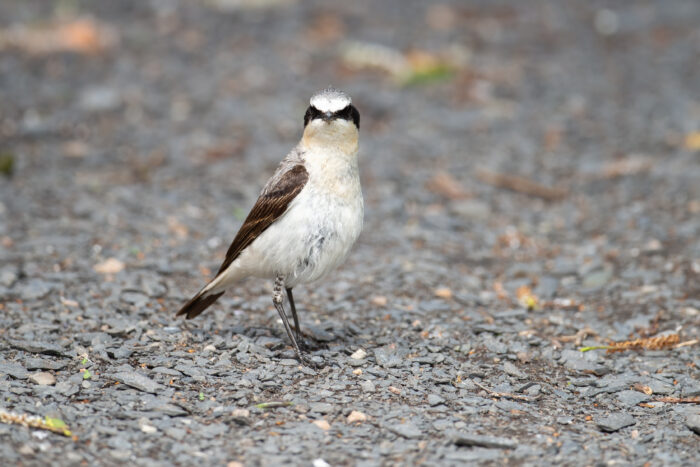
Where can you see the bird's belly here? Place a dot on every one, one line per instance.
(312, 238)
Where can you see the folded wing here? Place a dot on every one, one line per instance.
(274, 200)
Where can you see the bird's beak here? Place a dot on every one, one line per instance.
(327, 116)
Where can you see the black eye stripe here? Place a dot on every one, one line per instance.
(349, 113)
(353, 115)
(311, 113)
(344, 114)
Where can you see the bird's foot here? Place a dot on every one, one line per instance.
(307, 361)
(305, 345)
(308, 343)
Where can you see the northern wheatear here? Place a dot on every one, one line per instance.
(307, 217)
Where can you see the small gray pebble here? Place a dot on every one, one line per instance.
(512, 370)
(137, 381)
(615, 422)
(15, 370)
(35, 289)
(407, 430)
(367, 386)
(321, 407)
(44, 364)
(434, 399)
(631, 398)
(693, 422)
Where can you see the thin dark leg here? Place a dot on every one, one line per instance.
(294, 313)
(279, 304)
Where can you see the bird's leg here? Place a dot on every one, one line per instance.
(277, 299)
(294, 313)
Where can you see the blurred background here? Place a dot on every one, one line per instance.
(531, 173)
(506, 140)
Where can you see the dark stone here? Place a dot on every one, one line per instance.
(39, 347)
(406, 430)
(493, 442)
(15, 370)
(693, 423)
(615, 422)
(137, 381)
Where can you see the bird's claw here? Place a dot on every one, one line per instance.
(306, 361)
(303, 345)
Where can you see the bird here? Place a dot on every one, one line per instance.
(307, 217)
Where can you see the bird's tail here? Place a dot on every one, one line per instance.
(199, 303)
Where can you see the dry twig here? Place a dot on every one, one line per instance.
(521, 185)
(642, 388)
(83, 35)
(650, 343)
(629, 166)
(687, 343)
(32, 421)
(507, 395)
(274, 404)
(580, 335)
(444, 184)
(680, 400)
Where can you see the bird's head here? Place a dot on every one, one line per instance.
(331, 119)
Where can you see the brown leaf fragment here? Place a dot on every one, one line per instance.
(563, 304)
(552, 138)
(649, 343)
(325, 28)
(680, 400)
(500, 395)
(687, 343)
(579, 337)
(692, 141)
(441, 17)
(76, 149)
(226, 149)
(521, 184)
(82, 35)
(632, 165)
(501, 292)
(643, 389)
(445, 185)
(55, 425)
(178, 228)
(526, 298)
(410, 67)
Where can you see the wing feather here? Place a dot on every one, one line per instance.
(271, 204)
(289, 179)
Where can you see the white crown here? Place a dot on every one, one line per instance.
(330, 100)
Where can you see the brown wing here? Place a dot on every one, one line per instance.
(271, 204)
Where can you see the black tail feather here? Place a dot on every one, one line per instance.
(198, 304)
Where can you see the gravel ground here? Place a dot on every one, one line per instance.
(137, 152)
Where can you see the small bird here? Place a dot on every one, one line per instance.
(307, 217)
